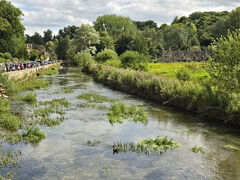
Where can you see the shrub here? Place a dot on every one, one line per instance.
(183, 74)
(9, 121)
(83, 58)
(7, 55)
(113, 62)
(105, 55)
(134, 60)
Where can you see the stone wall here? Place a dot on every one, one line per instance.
(24, 74)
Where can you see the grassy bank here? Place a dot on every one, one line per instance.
(192, 97)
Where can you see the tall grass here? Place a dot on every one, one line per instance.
(188, 96)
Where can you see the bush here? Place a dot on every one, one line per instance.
(183, 74)
(134, 60)
(113, 62)
(83, 58)
(7, 55)
(105, 55)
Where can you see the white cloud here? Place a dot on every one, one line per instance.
(55, 14)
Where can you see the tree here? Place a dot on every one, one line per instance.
(106, 42)
(115, 25)
(123, 43)
(62, 47)
(47, 36)
(11, 30)
(70, 31)
(141, 25)
(34, 55)
(225, 62)
(86, 37)
(37, 39)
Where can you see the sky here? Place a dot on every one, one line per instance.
(40, 15)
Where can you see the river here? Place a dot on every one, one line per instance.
(65, 153)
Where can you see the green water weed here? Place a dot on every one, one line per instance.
(197, 149)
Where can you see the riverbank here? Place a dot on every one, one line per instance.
(191, 97)
(23, 74)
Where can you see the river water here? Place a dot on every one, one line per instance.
(65, 153)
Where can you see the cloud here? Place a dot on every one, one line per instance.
(41, 15)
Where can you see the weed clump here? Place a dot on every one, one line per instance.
(93, 143)
(67, 90)
(94, 98)
(148, 145)
(30, 97)
(120, 111)
(102, 107)
(33, 134)
(196, 149)
(9, 121)
(231, 148)
(51, 72)
(237, 143)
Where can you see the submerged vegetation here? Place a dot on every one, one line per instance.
(67, 90)
(120, 111)
(30, 97)
(231, 148)
(197, 149)
(94, 98)
(148, 145)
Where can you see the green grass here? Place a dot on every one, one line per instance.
(120, 111)
(148, 145)
(171, 70)
(94, 98)
(51, 72)
(30, 97)
(9, 121)
(196, 149)
(237, 143)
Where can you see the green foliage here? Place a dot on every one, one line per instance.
(47, 36)
(67, 90)
(6, 55)
(37, 39)
(148, 145)
(9, 121)
(83, 58)
(106, 42)
(33, 134)
(62, 47)
(4, 105)
(94, 98)
(183, 74)
(224, 63)
(50, 72)
(134, 60)
(196, 149)
(85, 38)
(114, 63)
(34, 55)
(115, 25)
(30, 97)
(119, 111)
(11, 30)
(106, 55)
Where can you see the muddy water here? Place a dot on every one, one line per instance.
(65, 154)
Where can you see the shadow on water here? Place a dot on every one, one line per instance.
(65, 153)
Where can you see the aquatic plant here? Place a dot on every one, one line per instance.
(67, 90)
(237, 143)
(231, 148)
(9, 121)
(4, 105)
(50, 122)
(94, 106)
(120, 111)
(33, 134)
(30, 97)
(197, 149)
(148, 145)
(93, 143)
(50, 72)
(56, 103)
(9, 159)
(94, 98)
